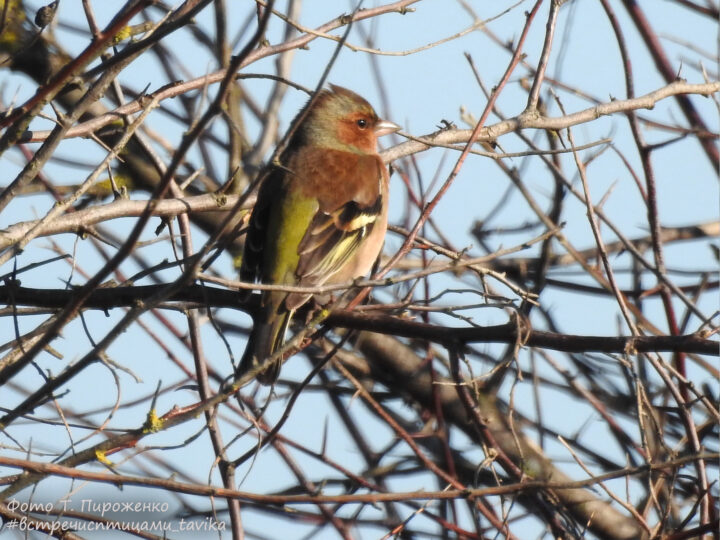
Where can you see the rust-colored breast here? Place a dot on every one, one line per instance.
(335, 178)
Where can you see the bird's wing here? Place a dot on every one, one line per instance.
(333, 238)
(251, 266)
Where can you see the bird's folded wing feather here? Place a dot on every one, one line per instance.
(333, 239)
(250, 269)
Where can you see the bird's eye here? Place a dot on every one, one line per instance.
(362, 123)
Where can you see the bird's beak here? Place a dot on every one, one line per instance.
(383, 127)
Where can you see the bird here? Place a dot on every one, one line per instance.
(320, 216)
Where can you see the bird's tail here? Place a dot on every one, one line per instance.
(265, 340)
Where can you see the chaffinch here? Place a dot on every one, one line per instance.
(320, 216)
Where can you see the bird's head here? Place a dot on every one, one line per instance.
(343, 120)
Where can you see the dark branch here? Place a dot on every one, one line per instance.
(116, 297)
